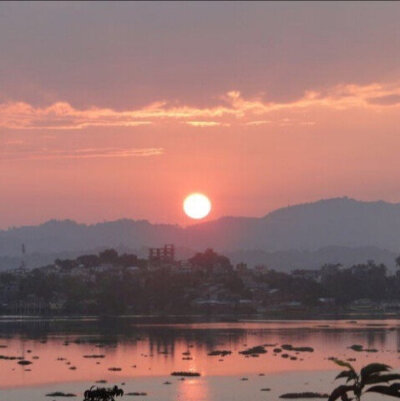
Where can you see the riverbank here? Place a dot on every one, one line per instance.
(340, 315)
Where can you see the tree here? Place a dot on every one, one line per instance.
(209, 259)
(66, 264)
(365, 381)
(88, 260)
(128, 259)
(108, 256)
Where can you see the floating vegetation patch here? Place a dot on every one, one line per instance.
(94, 356)
(137, 394)
(259, 349)
(24, 362)
(308, 394)
(360, 348)
(60, 394)
(356, 347)
(219, 353)
(185, 374)
(289, 347)
(11, 358)
(103, 394)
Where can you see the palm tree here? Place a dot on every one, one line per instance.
(371, 378)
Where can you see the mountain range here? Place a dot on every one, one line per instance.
(305, 235)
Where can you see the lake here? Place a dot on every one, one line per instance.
(70, 355)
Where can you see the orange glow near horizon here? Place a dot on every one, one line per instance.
(255, 157)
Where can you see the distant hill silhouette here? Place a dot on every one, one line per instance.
(369, 228)
(291, 260)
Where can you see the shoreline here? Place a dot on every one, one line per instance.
(214, 318)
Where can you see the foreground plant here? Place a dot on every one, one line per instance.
(372, 378)
(103, 394)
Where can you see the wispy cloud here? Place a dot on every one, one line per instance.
(89, 153)
(258, 122)
(234, 108)
(206, 124)
(385, 100)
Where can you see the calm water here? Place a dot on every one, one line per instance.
(146, 353)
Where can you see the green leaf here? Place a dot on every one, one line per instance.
(340, 392)
(346, 373)
(344, 364)
(377, 378)
(392, 390)
(373, 368)
(346, 398)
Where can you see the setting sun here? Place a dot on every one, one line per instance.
(197, 206)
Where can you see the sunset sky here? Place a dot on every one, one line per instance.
(112, 110)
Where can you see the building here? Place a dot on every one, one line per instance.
(164, 254)
(242, 268)
(306, 274)
(328, 271)
(261, 269)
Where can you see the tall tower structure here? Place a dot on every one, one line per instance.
(23, 256)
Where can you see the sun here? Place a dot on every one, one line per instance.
(197, 206)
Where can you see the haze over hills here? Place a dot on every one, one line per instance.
(307, 235)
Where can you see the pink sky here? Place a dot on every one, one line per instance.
(111, 110)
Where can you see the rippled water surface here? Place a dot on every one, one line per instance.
(143, 355)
